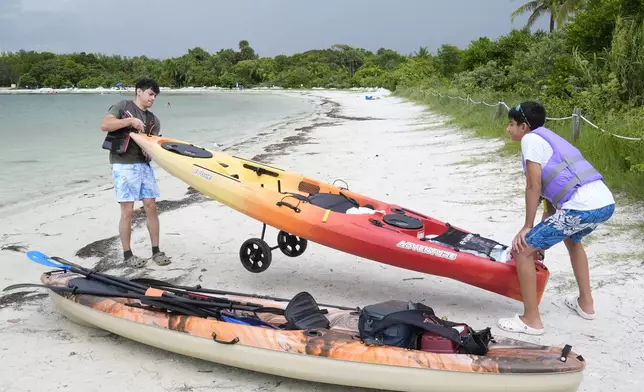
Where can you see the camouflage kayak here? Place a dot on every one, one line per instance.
(299, 338)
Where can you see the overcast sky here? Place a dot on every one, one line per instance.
(167, 28)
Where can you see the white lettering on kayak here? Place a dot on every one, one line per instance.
(426, 249)
(202, 173)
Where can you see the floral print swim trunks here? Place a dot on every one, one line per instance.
(134, 181)
(573, 224)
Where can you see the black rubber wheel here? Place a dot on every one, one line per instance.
(255, 255)
(291, 245)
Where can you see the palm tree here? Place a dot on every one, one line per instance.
(422, 53)
(538, 8)
(558, 10)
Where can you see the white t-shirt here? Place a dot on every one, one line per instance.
(588, 197)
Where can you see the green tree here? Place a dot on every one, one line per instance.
(349, 58)
(388, 59)
(245, 52)
(593, 25)
(449, 59)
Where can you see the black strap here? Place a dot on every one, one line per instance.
(147, 129)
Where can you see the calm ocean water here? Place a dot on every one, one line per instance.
(52, 143)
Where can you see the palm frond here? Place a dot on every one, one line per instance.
(527, 7)
(564, 9)
(536, 14)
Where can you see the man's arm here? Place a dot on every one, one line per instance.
(112, 123)
(532, 192)
(113, 119)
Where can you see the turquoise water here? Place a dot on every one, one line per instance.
(52, 143)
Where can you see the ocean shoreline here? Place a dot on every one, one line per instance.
(88, 183)
(181, 90)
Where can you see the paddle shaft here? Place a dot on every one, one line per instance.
(161, 284)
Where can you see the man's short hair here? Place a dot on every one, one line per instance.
(147, 83)
(531, 113)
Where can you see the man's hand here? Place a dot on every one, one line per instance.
(519, 244)
(136, 123)
(111, 123)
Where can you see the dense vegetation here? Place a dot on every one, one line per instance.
(591, 57)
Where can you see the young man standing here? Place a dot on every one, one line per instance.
(133, 176)
(578, 201)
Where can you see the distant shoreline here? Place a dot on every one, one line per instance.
(168, 90)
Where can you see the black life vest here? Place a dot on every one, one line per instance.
(118, 141)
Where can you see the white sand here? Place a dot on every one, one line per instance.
(408, 157)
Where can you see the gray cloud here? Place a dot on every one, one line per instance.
(164, 28)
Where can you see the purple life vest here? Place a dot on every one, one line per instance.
(566, 170)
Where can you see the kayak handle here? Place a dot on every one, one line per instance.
(289, 205)
(214, 337)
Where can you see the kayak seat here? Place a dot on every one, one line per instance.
(303, 312)
(333, 202)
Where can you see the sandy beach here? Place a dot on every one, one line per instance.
(386, 148)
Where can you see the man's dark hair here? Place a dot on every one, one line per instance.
(531, 113)
(147, 83)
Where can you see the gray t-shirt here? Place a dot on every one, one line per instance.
(133, 154)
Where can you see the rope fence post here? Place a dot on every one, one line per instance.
(499, 110)
(576, 123)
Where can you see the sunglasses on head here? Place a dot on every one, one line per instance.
(519, 108)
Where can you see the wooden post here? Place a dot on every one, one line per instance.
(576, 123)
(499, 110)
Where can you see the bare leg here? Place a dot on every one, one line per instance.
(528, 281)
(579, 262)
(125, 224)
(152, 216)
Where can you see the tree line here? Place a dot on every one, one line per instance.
(591, 55)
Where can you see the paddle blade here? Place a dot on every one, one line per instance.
(45, 260)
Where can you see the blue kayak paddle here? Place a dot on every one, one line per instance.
(45, 260)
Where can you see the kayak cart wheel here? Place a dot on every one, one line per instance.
(255, 255)
(291, 245)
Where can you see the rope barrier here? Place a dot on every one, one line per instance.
(573, 116)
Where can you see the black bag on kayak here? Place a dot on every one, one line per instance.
(401, 324)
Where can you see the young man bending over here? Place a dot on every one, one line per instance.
(556, 171)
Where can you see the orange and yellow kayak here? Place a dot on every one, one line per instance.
(333, 352)
(305, 209)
